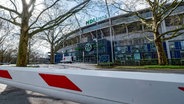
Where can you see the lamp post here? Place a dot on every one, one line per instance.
(96, 40)
(80, 29)
(63, 55)
(83, 56)
(163, 28)
(110, 31)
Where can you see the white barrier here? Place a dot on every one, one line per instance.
(98, 87)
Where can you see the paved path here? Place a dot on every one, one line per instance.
(73, 65)
(80, 66)
(93, 67)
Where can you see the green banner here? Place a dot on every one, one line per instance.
(96, 19)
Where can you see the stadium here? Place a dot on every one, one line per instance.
(121, 39)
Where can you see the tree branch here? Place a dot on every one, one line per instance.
(12, 22)
(175, 34)
(33, 6)
(44, 38)
(59, 45)
(70, 12)
(43, 12)
(14, 18)
(46, 28)
(143, 20)
(171, 31)
(2, 38)
(31, 2)
(150, 2)
(170, 10)
(10, 10)
(59, 39)
(14, 4)
(61, 18)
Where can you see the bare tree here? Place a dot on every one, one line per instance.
(54, 37)
(7, 53)
(59, 41)
(25, 15)
(160, 10)
(6, 48)
(31, 42)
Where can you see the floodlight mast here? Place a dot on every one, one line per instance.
(110, 31)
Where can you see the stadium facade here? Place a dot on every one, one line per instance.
(92, 43)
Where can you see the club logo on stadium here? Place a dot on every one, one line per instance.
(88, 47)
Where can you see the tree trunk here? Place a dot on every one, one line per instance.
(52, 56)
(1, 57)
(29, 52)
(24, 36)
(22, 50)
(162, 59)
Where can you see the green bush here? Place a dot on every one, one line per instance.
(149, 62)
(175, 61)
(106, 64)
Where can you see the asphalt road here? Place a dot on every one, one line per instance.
(12, 95)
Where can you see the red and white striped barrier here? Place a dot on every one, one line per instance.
(98, 87)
